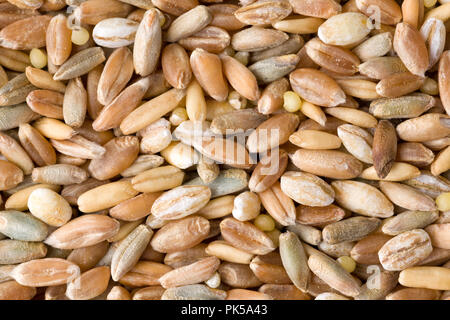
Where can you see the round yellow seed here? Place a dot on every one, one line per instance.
(162, 17)
(429, 3)
(430, 86)
(178, 116)
(242, 57)
(292, 101)
(80, 36)
(264, 222)
(347, 263)
(38, 58)
(274, 235)
(443, 201)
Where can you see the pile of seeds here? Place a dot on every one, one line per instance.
(185, 149)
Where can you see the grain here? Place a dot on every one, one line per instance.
(118, 293)
(225, 151)
(246, 206)
(142, 163)
(390, 12)
(294, 260)
(194, 273)
(175, 7)
(209, 149)
(405, 250)
(357, 141)
(409, 220)
(20, 226)
(238, 275)
(126, 101)
(240, 78)
(401, 107)
(244, 294)
(299, 25)
(410, 47)
(14, 59)
(333, 274)
(314, 191)
(151, 111)
(12, 290)
(135, 208)
(15, 90)
(87, 257)
(45, 272)
(273, 68)
(318, 216)
(337, 250)
(439, 235)
(195, 291)
(261, 13)
(316, 87)
(433, 31)
(115, 75)
(384, 148)
(246, 236)
(79, 147)
(120, 153)
(58, 40)
(129, 251)
(59, 174)
(149, 293)
(145, 273)
(93, 106)
(268, 170)
(290, 46)
(188, 23)
(307, 234)
(376, 46)
(365, 251)
(210, 38)
(16, 251)
(399, 84)
(181, 202)
(269, 38)
(170, 239)
(19, 200)
(83, 231)
(344, 29)
(312, 139)
(11, 175)
(89, 284)
(322, 9)
(207, 68)
(115, 32)
(25, 34)
(407, 197)
(444, 67)
(332, 58)
(426, 127)
(269, 269)
(49, 207)
(80, 63)
(351, 229)
(436, 278)
(413, 294)
(272, 132)
(95, 11)
(381, 67)
(229, 181)
(327, 163)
